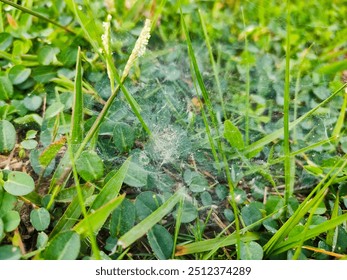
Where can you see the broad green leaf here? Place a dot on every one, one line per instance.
(274, 203)
(5, 40)
(112, 187)
(9, 252)
(37, 167)
(40, 219)
(189, 212)
(123, 137)
(320, 210)
(195, 181)
(11, 220)
(7, 202)
(43, 74)
(18, 74)
(42, 240)
(321, 92)
(96, 219)
(66, 195)
(68, 56)
(251, 251)
(28, 119)
(251, 214)
(51, 151)
(29, 144)
(341, 239)
(221, 192)
(7, 136)
(229, 214)
(240, 196)
(206, 199)
(6, 87)
(146, 203)
(33, 102)
(136, 176)
(31, 134)
(145, 225)
(271, 225)
(54, 109)
(34, 198)
(89, 166)
(19, 183)
(233, 135)
(122, 219)
(64, 246)
(47, 55)
(160, 241)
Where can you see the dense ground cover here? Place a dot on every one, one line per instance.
(225, 139)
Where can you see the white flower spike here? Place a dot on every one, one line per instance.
(140, 47)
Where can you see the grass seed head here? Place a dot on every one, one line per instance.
(140, 47)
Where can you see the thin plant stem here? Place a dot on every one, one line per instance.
(214, 66)
(297, 88)
(81, 201)
(286, 143)
(248, 83)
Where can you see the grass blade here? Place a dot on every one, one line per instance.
(289, 185)
(112, 187)
(212, 244)
(294, 241)
(72, 213)
(201, 84)
(97, 218)
(305, 206)
(213, 63)
(279, 133)
(144, 226)
(76, 132)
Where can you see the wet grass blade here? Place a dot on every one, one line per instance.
(305, 207)
(213, 63)
(72, 213)
(200, 82)
(279, 133)
(212, 244)
(248, 83)
(76, 132)
(144, 226)
(112, 187)
(335, 213)
(97, 218)
(341, 119)
(288, 182)
(295, 241)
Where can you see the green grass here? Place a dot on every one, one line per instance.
(226, 139)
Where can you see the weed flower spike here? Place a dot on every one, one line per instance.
(106, 37)
(140, 47)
